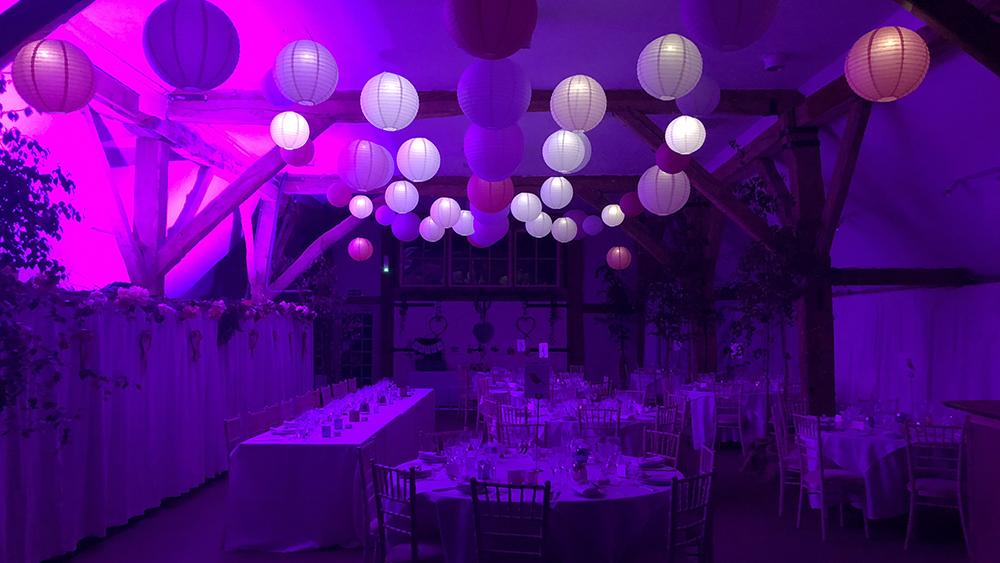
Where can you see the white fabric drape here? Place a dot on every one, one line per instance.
(131, 448)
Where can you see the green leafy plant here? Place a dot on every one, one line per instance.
(621, 310)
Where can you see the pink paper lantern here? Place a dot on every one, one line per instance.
(488, 196)
(491, 29)
(384, 216)
(670, 161)
(360, 249)
(301, 156)
(191, 44)
(619, 258)
(338, 195)
(494, 94)
(630, 204)
(887, 63)
(727, 25)
(53, 76)
(406, 227)
(578, 216)
(593, 225)
(494, 154)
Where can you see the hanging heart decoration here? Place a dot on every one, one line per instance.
(525, 324)
(437, 325)
(145, 343)
(252, 339)
(194, 342)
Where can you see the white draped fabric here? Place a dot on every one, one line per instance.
(131, 448)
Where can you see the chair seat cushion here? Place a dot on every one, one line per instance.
(934, 487)
(426, 552)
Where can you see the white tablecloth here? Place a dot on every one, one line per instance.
(289, 494)
(701, 407)
(881, 458)
(560, 430)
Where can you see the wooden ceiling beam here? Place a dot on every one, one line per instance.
(843, 172)
(784, 203)
(29, 20)
(961, 23)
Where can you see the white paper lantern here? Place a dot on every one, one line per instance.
(669, 67)
(662, 193)
(402, 196)
(289, 130)
(685, 134)
(564, 229)
(703, 99)
(466, 223)
(525, 206)
(389, 101)
(418, 159)
(540, 226)
(564, 151)
(445, 212)
(360, 206)
(578, 103)
(556, 192)
(430, 230)
(612, 215)
(306, 72)
(365, 166)
(587, 150)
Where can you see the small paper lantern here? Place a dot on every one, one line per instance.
(669, 67)
(53, 76)
(556, 192)
(491, 30)
(630, 204)
(445, 212)
(301, 156)
(406, 227)
(465, 225)
(564, 229)
(593, 225)
(493, 154)
(430, 230)
(418, 159)
(191, 44)
(578, 216)
(289, 130)
(564, 151)
(887, 63)
(578, 103)
(494, 94)
(702, 100)
(273, 95)
(540, 226)
(338, 195)
(490, 197)
(612, 215)
(619, 258)
(525, 206)
(384, 216)
(685, 134)
(389, 101)
(727, 25)
(671, 162)
(365, 166)
(306, 72)
(360, 206)
(662, 193)
(402, 196)
(488, 233)
(360, 249)
(587, 150)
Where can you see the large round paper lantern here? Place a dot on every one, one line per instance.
(619, 258)
(564, 151)
(578, 103)
(465, 225)
(494, 94)
(671, 162)
(289, 130)
(669, 67)
(191, 44)
(53, 76)
(430, 230)
(587, 151)
(525, 206)
(273, 95)
(384, 216)
(402, 196)
(360, 206)
(662, 193)
(490, 197)
(406, 227)
(612, 215)
(556, 192)
(685, 134)
(630, 204)
(727, 25)
(887, 63)
(488, 233)
(418, 159)
(702, 100)
(301, 156)
(389, 101)
(338, 195)
(491, 29)
(360, 249)
(564, 229)
(445, 212)
(502, 216)
(494, 154)
(593, 225)
(365, 166)
(540, 226)
(306, 72)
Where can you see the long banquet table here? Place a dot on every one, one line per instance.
(288, 493)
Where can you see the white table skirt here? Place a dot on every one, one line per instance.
(291, 494)
(881, 458)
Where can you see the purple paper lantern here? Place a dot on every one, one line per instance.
(670, 161)
(301, 156)
(727, 25)
(491, 29)
(338, 195)
(631, 205)
(487, 196)
(271, 92)
(494, 154)
(384, 216)
(488, 233)
(578, 216)
(593, 225)
(406, 227)
(191, 44)
(494, 94)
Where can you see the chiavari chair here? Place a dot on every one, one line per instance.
(689, 536)
(287, 409)
(272, 415)
(933, 459)
(436, 442)
(511, 521)
(664, 444)
(396, 508)
(789, 467)
(233, 430)
(256, 423)
(706, 461)
(606, 421)
(326, 394)
(369, 520)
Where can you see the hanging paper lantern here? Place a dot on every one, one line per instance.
(360, 249)
(53, 76)
(360, 206)
(525, 206)
(465, 225)
(494, 154)
(306, 72)
(488, 233)
(556, 192)
(389, 101)
(685, 134)
(490, 197)
(630, 204)
(418, 159)
(301, 156)
(496, 217)
(727, 25)
(494, 94)
(402, 196)
(540, 226)
(338, 195)
(669, 161)
(564, 229)
(273, 95)
(578, 216)
(365, 166)
(289, 130)
(887, 63)
(430, 230)
(384, 216)
(191, 44)
(593, 225)
(662, 193)
(669, 67)
(612, 215)
(702, 100)
(619, 258)
(564, 151)
(445, 212)
(586, 153)
(578, 103)
(406, 227)
(495, 29)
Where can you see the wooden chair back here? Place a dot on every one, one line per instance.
(511, 521)
(665, 444)
(933, 451)
(706, 461)
(396, 506)
(690, 518)
(602, 420)
(233, 430)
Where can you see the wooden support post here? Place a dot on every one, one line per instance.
(149, 215)
(574, 306)
(962, 23)
(267, 218)
(387, 306)
(193, 199)
(843, 172)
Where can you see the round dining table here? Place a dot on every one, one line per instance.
(878, 455)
